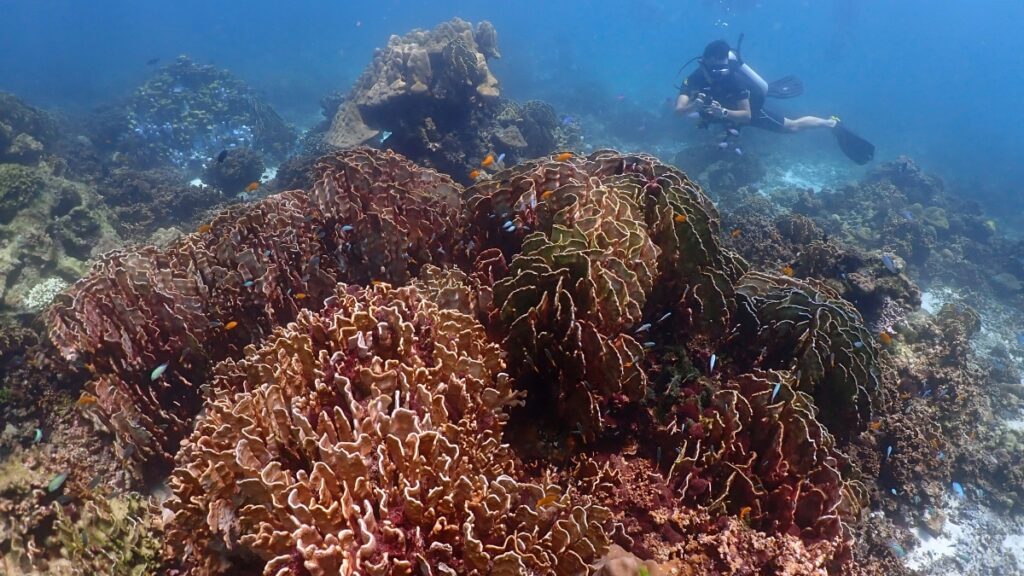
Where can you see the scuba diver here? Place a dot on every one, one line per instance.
(725, 90)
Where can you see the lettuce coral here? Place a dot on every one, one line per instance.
(371, 215)
(366, 438)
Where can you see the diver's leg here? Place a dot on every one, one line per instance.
(806, 122)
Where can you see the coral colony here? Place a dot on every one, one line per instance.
(542, 363)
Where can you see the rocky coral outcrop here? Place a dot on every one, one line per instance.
(431, 96)
(187, 113)
(24, 131)
(51, 229)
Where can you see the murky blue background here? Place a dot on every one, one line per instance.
(939, 81)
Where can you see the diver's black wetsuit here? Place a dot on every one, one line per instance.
(729, 91)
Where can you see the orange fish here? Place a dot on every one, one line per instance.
(736, 233)
(204, 228)
(547, 194)
(86, 399)
(549, 499)
(745, 513)
(876, 425)
(488, 160)
(787, 271)
(885, 338)
(563, 156)
(300, 295)
(627, 365)
(474, 174)
(231, 325)
(680, 218)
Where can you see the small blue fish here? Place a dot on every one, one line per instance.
(941, 456)
(711, 364)
(384, 136)
(896, 549)
(643, 328)
(858, 344)
(158, 371)
(266, 252)
(775, 391)
(665, 317)
(249, 283)
(37, 437)
(893, 490)
(734, 132)
(649, 345)
(347, 228)
(888, 452)
(958, 489)
(890, 265)
(723, 145)
(501, 158)
(57, 482)
(738, 151)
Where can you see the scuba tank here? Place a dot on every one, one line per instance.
(738, 66)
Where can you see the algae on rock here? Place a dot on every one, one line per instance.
(51, 229)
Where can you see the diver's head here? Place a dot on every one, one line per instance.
(716, 58)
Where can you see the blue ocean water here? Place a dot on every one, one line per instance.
(938, 82)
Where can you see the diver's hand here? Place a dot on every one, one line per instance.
(713, 110)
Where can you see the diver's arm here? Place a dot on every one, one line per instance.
(741, 115)
(684, 104)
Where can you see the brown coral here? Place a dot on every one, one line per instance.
(805, 327)
(404, 72)
(366, 439)
(371, 215)
(592, 242)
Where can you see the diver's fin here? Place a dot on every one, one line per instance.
(788, 87)
(856, 148)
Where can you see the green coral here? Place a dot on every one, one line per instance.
(806, 327)
(18, 186)
(117, 536)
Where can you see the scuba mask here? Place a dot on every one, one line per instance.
(717, 70)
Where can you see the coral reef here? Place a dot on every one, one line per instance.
(444, 66)
(52, 227)
(187, 113)
(25, 132)
(144, 201)
(118, 536)
(575, 308)
(721, 171)
(235, 172)
(186, 307)
(430, 95)
(384, 433)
